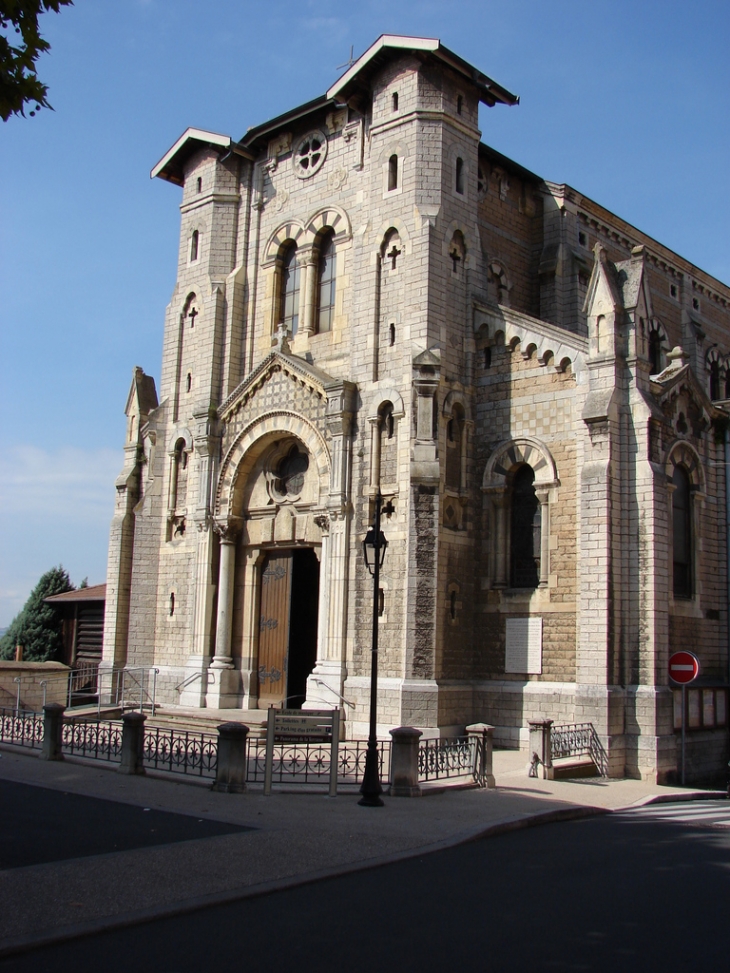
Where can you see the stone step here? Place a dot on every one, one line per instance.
(569, 768)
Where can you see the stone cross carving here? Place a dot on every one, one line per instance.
(193, 315)
(456, 257)
(393, 255)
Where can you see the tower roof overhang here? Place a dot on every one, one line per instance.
(490, 93)
(172, 165)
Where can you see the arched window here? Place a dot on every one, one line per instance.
(326, 271)
(460, 176)
(682, 534)
(526, 531)
(388, 455)
(392, 172)
(395, 101)
(179, 476)
(199, 185)
(194, 241)
(655, 352)
(289, 289)
(714, 380)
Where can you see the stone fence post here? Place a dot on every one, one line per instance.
(132, 743)
(480, 736)
(53, 731)
(404, 762)
(541, 763)
(230, 774)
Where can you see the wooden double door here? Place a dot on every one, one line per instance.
(288, 609)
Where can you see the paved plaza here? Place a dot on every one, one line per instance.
(93, 849)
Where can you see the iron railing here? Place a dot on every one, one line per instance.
(309, 763)
(180, 751)
(21, 729)
(83, 685)
(133, 688)
(578, 740)
(95, 739)
(450, 757)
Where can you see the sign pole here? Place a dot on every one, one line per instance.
(684, 726)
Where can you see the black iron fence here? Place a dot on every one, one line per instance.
(21, 729)
(310, 763)
(96, 739)
(180, 751)
(448, 758)
(578, 740)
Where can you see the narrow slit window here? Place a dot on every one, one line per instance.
(188, 382)
(172, 603)
(459, 104)
(199, 185)
(682, 534)
(194, 243)
(395, 101)
(460, 176)
(391, 334)
(392, 173)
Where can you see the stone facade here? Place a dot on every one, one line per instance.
(370, 298)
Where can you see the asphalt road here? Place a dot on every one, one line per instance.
(43, 825)
(617, 893)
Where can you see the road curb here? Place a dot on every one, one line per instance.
(82, 930)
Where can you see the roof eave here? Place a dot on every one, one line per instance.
(170, 166)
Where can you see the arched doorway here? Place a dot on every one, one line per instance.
(287, 651)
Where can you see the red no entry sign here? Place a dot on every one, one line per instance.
(684, 667)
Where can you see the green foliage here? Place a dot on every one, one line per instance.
(38, 626)
(20, 46)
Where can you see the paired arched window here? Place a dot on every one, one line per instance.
(326, 282)
(289, 287)
(525, 530)
(681, 533)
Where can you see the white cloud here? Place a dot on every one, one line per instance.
(55, 508)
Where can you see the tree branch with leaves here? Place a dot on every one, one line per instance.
(20, 47)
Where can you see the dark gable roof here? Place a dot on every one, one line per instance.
(95, 592)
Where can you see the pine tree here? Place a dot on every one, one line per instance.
(37, 627)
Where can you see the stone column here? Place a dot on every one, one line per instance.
(543, 498)
(540, 748)
(404, 762)
(226, 573)
(53, 731)
(308, 289)
(230, 776)
(224, 682)
(132, 744)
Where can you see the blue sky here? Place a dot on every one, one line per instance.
(626, 101)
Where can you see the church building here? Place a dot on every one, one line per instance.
(369, 300)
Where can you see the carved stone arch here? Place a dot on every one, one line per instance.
(453, 398)
(291, 231)
(681, 453)
(178, 433)
(515, 452)
(328, 217)
(393, 148)
(714, 355)
(387, 230)
(378, 397)
(247, 447)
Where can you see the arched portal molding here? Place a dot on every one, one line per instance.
(248, 446)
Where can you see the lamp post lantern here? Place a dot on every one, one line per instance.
(374, 547)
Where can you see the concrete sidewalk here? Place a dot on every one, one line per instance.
(299, 837)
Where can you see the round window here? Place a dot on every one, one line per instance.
(286, 479)
(310, 154)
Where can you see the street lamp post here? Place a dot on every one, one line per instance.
(374, 547)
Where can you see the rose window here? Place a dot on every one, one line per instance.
(310, 154)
